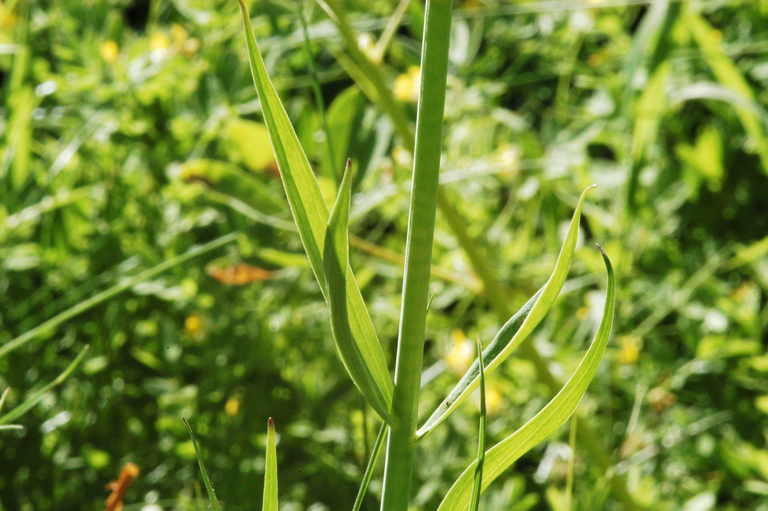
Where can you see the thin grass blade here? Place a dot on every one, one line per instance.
(311, 215)
(370, 467)
(515, 330)
(269, 501)
(477, 486)
(213, 501)
(87, 304)
(548, 420)
(36, 396)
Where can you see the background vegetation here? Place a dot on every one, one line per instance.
(130, 133)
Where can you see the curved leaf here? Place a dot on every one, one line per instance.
(515, 330)
(311, 215)
(547, 421)
(340, 281)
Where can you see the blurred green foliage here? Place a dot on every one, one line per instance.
(130, 133)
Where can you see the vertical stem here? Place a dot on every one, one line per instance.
(418, 255)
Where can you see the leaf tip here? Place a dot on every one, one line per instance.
(270, 424)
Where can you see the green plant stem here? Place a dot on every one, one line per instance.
(418, 256)
(473, 248)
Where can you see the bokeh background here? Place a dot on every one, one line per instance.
(130, 133)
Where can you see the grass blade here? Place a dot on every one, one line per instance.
(311, 215)
(269, 501)
(340, 281)
(515, 330)
(369, 468)
(726, 71)
(50, 324)
(36, 396)
(548, 420)
(213, 501)
(477, 486)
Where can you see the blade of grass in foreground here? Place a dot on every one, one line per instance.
(548, 420)
(477, 486)
(269, 501)
(50, 324)
(36, 396)
(213, 501)
(369, 468)
(311, 215)
(514, 331)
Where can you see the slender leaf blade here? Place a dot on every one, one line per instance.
(213, 501)
(548, 420)
(369, 468)
(340, 287)
(38, 395)
(311, 215)
(515, 330)
(269, 500)
(478, 481)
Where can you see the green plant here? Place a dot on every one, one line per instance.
(325, 238)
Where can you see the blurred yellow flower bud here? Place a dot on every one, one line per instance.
(461, 354)
(232, 406)
(407, 85)
(109, 51)
(629, 349)
(193, 324)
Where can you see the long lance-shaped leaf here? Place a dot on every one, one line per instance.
(474, 501)
(38, 395)
(547, 421)
(369, 468)
(311, 215)
(515, 330)
(213, 501)
(269, 500)
(340, 285)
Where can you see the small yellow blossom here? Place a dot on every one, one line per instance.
(461, 354)
(493, 400)
(109, 51)
(629, 349)
(232, 406)
(407, 85)
(193, 324)
(178, 34)
(159, 41)
(7, 18)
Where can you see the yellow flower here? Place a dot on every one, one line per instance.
(629, 349)
(461, 354)
(158, 41)
(109, 51)
(493, 399)
(193, 324)
(407, 85)
(232, 406)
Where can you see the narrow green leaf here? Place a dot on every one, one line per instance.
(50, 324)
(370, 467)
(571, 464)
(213, 501)
(340, 285)
(477, 486)
(269, 501)
(723, 67)
(548, 420)
(311, 215)
(515, 330)
(36, 396)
